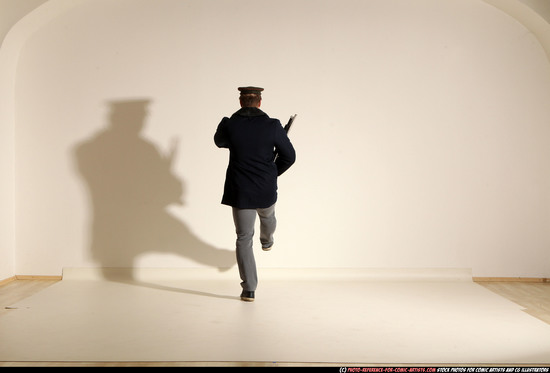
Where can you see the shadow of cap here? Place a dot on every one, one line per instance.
(129, 105)
(128, 114)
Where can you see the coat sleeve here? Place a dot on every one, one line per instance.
(220, 137)
(283, 147)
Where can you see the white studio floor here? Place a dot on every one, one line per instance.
(299, 316)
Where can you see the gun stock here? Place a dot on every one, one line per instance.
(286, 128)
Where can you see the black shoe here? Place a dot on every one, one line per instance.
(247, 296)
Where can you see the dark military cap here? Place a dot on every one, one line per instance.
(251, 90)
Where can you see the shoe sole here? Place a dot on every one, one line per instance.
(247, 299)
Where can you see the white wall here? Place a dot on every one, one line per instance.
(11, 11)
(422, 135)
(16, 24)
(7, 176)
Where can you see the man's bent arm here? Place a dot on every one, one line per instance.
(286, 155)
(220, 138)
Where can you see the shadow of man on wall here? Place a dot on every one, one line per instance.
(131, 184)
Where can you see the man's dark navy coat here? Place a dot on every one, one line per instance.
(251, 178)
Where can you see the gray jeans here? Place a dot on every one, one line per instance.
(244, 225)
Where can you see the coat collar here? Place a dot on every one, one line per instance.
(249, 112)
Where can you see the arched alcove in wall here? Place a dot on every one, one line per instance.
(422, 132)
(20, 21)
(533, 14)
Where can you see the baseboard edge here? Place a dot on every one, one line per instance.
(512, 279)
